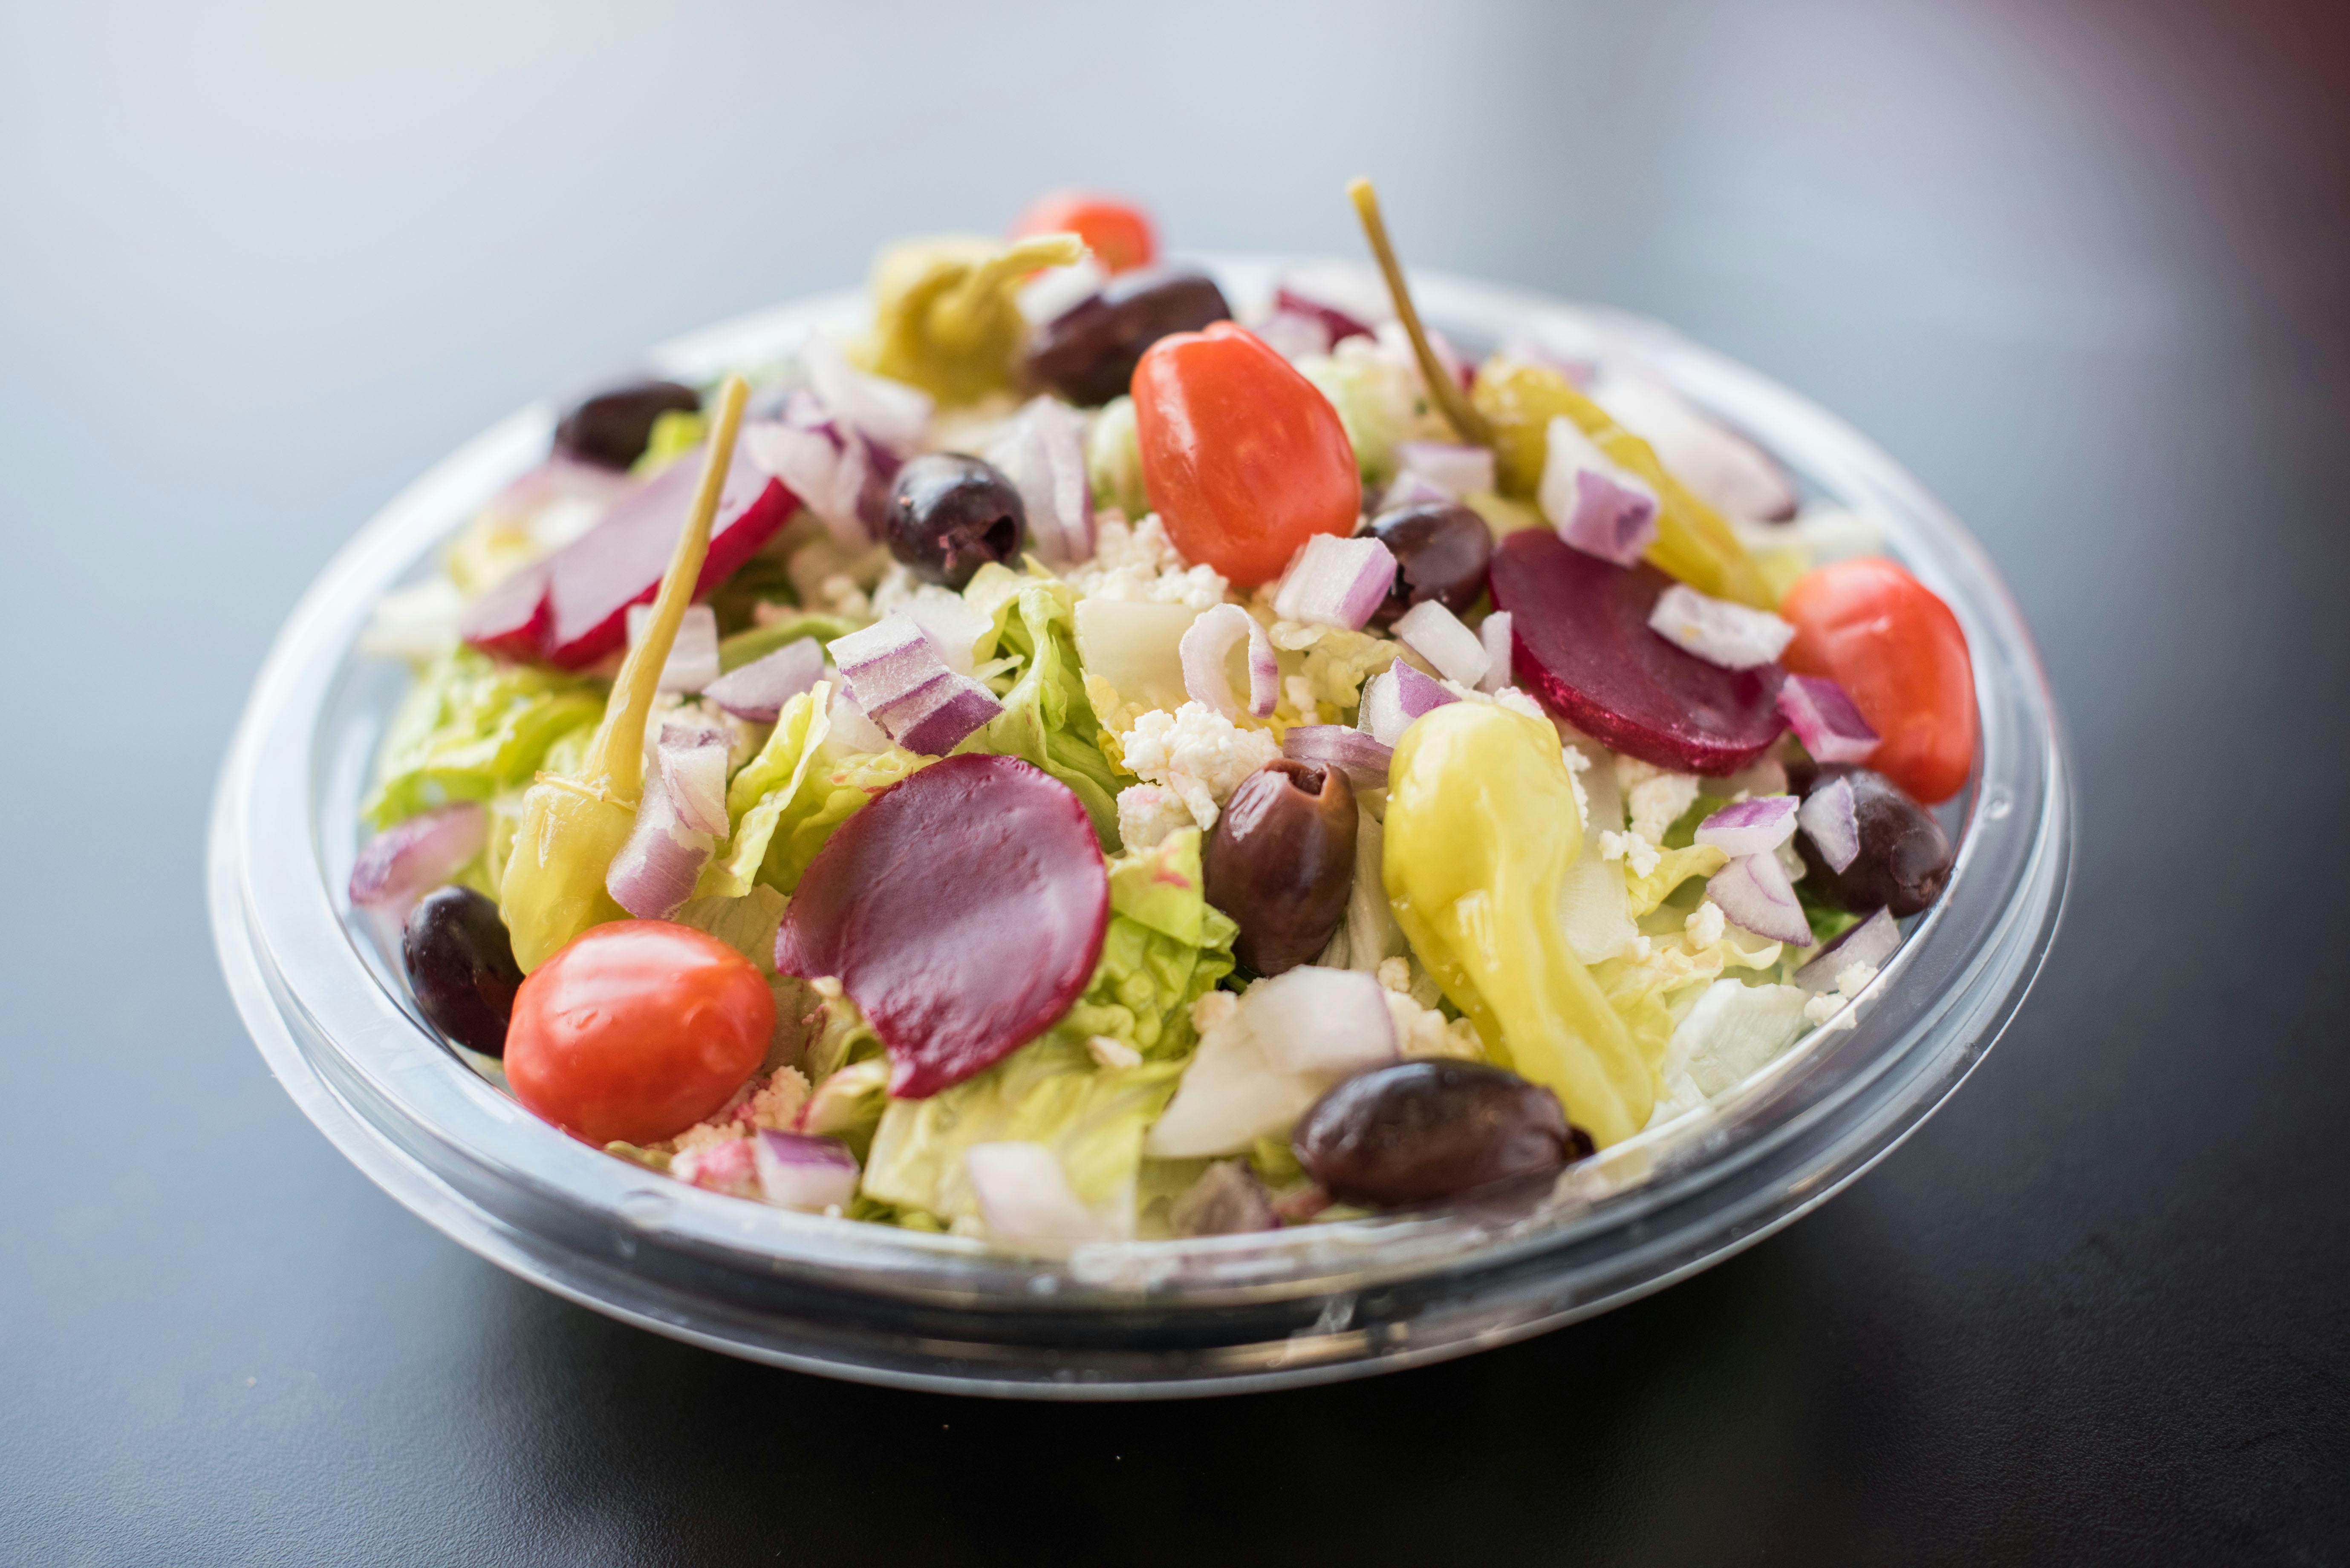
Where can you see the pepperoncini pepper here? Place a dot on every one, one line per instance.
(1693, 543)
(945, 312)
(572, 825)
(1481, 825)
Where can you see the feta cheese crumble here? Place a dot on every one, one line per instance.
(1197, 753)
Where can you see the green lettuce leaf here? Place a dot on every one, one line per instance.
(785, 802)
(471, 727)
(1046, 718)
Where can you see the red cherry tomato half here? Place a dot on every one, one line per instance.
(637, 1030)
(1244, 459)
(1117, 233)
(1897, 652)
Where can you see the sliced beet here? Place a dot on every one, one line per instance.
(1579, 636)
(571, 609)
(963, 910)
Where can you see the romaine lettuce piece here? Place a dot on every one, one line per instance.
(471, 727)
(785, 802)
(1046, 718)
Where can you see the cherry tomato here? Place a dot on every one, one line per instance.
(1244, 459)
(636, 1030)
(1897, 652)
(1118, 233)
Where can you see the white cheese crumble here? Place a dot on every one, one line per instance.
(1137, 563)
(1421, 1030)
(1197, 753)
(1147, 812)
(1639, 852)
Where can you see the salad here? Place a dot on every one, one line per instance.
(1072, 761)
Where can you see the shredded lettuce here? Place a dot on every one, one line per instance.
(1114, 460)
(785, 802)
(471, 727)
(1166, 947)
(1046, 718)
(1379, 399)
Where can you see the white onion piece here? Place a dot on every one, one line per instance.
(758, 690)
(1831, 820)
(1412, 489)
(951, 623)
(1436, 634)
(1749, 827)
(410, 858)
(1323, 1021)
(1597, 506)
(1825, 720)
(1043, 452)
(1495, 635)
(692, 661)
(654, 873)
(825, 466)
(1451, 467)
(1718, 631)
(1206, 650)
(1024, 1197)
(903, 684)
(889, 413)
(690, 761)
(1754, 893)
(1726, 470)
(1394, 698)
(1359, 755)
(1336, 582)
(1871, 942)
(848, 731)
(812, 1174)
(1255, 1072)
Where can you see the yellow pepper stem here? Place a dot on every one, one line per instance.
(1464, 418)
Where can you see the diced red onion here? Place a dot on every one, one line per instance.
(889, 413)
(731, 1167)
(1825, 720)
(758, 690)
(692, 661)
(1336, 582)
(1394, 698)
(1436, 634)
(1451, 467)
(1418, 693)
(1495, 635)
(1721, 466)
(1409, 489)
(1597, 506)
(1205, 652)
(1352, 751)
(1749, 827)
(903, 684)
(1831, 819)
(1718, 631)
(1293, 1037)
(1043, 452)
(1296, 333)
(692, 761)
(1348, 300)
(796, 1171)
(1871, 942)
(654, 873)
(408, 859)
(848, 731)
(953, 626)
(826, 466)
(1024, 1197)
(1754, 894)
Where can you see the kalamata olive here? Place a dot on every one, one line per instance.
(1087, 353)
(1905, 856)
(611, 427)
(1281, 862)
(461, 965)
(1413, 1131)
(951, 514)
(1441, 549)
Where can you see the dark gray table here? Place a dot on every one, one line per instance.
(2082, 268)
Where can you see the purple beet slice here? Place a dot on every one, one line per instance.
(962, 908)
(1579, 637)
(572, 609)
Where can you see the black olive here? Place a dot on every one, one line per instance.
(1441, 549)
(1281, 862)
(611, 427)
(951, 514)
(1905, 856)
(1412, 1132)
(461, 965)
(1087, 353)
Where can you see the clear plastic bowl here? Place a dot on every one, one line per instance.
(1148, 1319)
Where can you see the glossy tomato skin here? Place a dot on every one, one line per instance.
(1117, 233)
(1899, 655)
(1244, 459)
(636, 1030)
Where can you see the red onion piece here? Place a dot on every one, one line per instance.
(1205, 652)
(692, 661)
(1294, 1036)
(1451, 467)
(901, 681)
(1831, 819)
(1025, 1200)
(1721, 633)
(826, 466)
(1436, 634)
(408, 859)
(654, 873)
(1347, 301)
(1359, 755)
(758, 690)
(1825, 720)
(1409, 489)
(952, 625)
(1597, 506)
(1495, 636)
(889, 413)
(795, 1171)
(691, 759)
(1723, 468)
(1043, 455)
(849, 730)
(1296, 333)
(1871, 942)
(1336, 582)
(1749, 827)
(1754, 893)
(1394, 698)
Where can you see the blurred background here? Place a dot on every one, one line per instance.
(2080, 266)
